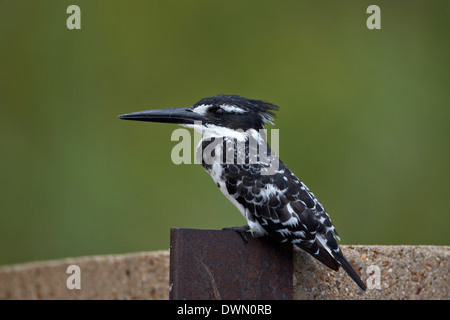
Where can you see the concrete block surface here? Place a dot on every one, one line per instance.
(390, 272)
(129, 276)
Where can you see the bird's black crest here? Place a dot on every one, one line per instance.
(265, 110)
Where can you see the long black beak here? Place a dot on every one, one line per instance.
(170, 115)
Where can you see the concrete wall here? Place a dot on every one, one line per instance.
(391, 272)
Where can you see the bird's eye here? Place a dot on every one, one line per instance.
(218, 112)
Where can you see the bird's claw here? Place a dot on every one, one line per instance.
(241, 230)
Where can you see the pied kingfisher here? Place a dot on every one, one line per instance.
(234, 151)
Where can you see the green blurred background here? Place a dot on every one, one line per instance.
(364, 118)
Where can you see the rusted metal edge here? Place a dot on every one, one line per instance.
(220, 265)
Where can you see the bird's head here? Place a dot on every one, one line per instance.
(221, 111)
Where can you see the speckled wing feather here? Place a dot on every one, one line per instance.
(283, 206)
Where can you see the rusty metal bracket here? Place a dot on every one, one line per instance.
(219, 264)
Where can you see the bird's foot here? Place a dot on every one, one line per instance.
(241, 230)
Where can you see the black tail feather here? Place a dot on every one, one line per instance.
(350, 271)
(322, 255)
(333, 261)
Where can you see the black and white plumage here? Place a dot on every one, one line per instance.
(271, 198)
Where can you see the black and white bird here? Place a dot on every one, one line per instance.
(234, 151)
